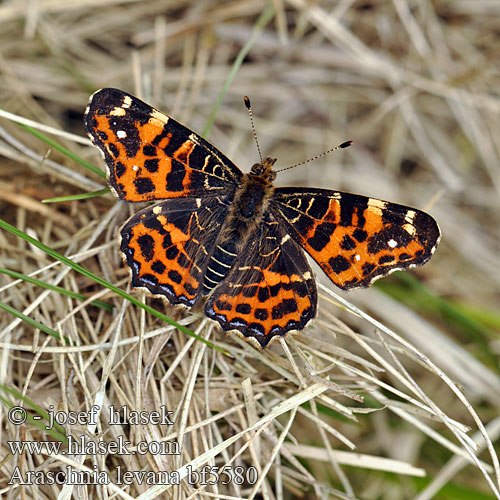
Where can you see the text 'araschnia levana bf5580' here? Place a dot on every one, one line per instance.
(233, 239)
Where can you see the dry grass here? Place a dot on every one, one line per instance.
(324, 415)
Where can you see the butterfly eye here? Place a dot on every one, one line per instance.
(256, 169)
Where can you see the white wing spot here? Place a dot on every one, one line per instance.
(121, 134)
(392, 243)
(285, 238)
(376, 206)
(127, 101)
(375, 203)
(158, 115)
(410, 229)
(410, 216)
(357, 258)
(117, 112)
(194, 139)
(135, 168)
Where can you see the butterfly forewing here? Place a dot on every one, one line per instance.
(356, 239)
(149, 155)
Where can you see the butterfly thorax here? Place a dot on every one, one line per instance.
(251, 201)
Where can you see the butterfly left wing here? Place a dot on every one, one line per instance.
(150, 156)
(356, 239)
(270, 289)
(167, 247)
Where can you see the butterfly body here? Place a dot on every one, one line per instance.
(245, 214)
(234, 241)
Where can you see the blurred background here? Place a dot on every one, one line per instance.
(413, 83)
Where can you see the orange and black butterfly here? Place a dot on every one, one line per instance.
(233, 239)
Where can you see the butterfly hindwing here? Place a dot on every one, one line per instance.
(167, 246)
(270, 289)
(149, 155)
(356, 239)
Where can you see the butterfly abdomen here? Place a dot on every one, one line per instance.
(219, 265)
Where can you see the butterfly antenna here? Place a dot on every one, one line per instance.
(249, 108)
(340, 146)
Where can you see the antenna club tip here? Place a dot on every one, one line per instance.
(345, 144)
(247, 102)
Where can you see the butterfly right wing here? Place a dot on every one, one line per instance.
(270, 289)
(150, 156)
(356, 239)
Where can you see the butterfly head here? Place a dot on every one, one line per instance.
(265, 169)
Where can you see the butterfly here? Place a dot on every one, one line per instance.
(234, 241)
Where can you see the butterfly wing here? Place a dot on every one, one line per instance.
(356, 239)
(270, 289)
(150, 156)
(167, 246)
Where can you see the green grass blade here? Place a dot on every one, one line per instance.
(55, 288)
(63, 150)
(413, 293)
(263, 19)
(85, 272)
(455, 490)
(33, 322)
(57, 432)
(76, 197)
